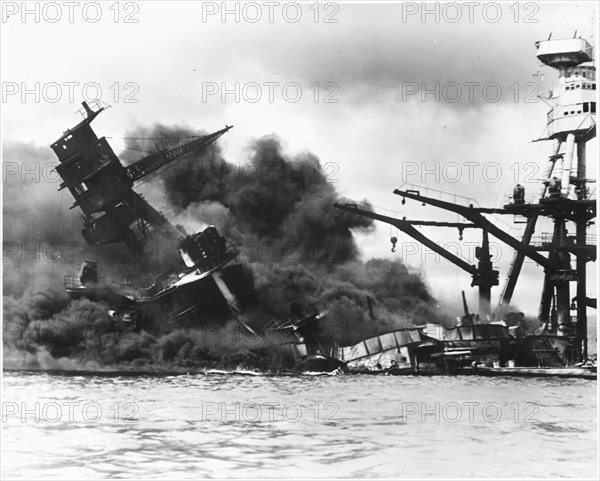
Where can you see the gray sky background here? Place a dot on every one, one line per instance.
(373, 54)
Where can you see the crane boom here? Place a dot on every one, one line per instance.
(160, 159)
(484, 275)
(476, 218)
(406, 227)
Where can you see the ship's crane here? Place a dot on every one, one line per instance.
(114, 212)
(558, 272)
(484, 275)
(474, 214)
(160, 159)
(103, 189)
(88, 164)
(564, 198)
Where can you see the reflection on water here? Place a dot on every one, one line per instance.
(227, 425)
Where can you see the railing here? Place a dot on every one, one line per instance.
(95, 105)
(73, 282)
(535, 198)
(546, 238)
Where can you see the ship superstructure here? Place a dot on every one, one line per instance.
(181, 278)
(565, 197)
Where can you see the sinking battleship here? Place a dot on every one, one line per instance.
(560, 345)
(181, 279)
(204, 283)
(421, 350)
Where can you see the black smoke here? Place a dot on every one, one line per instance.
(277, 209)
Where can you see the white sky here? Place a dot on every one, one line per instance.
(372, 55)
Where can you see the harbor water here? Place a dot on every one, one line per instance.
(71, 426)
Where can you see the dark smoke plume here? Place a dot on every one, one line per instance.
(276, 208)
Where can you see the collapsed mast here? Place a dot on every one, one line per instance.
(103, 189)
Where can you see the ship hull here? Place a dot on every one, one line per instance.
(190, 305)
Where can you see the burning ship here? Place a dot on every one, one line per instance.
(566, 199)
(188, 280)
(181, 279)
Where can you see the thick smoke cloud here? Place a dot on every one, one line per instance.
(271, 197)
(279, 210)
(276, 208)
